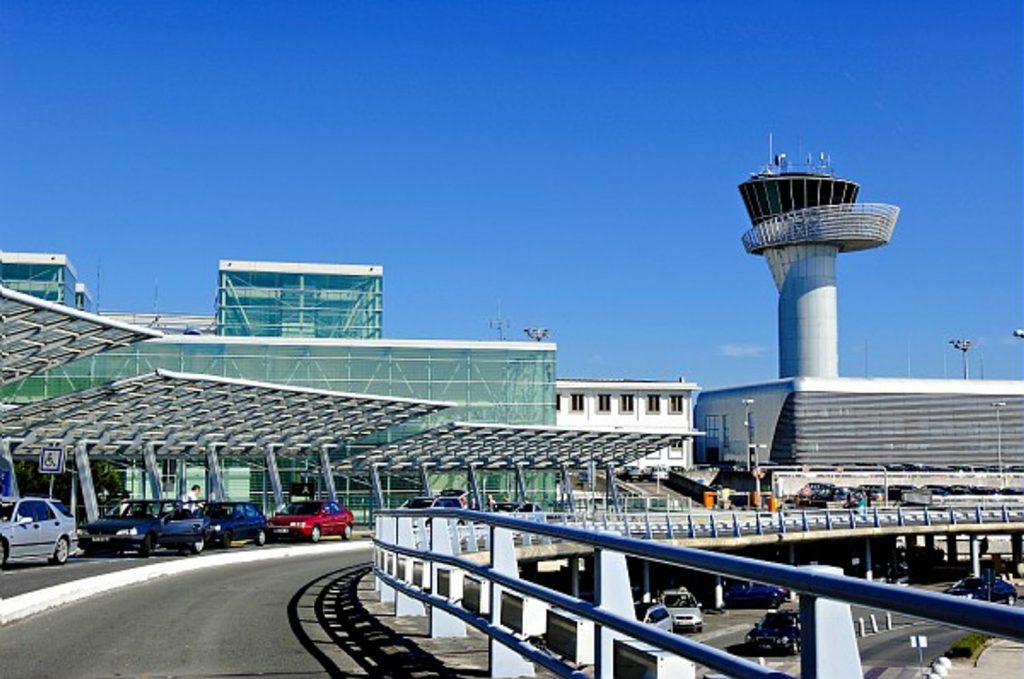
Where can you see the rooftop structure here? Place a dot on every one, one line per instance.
(802, 216)
(282, 299)
(47, 276)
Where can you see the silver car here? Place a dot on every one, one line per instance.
(685, 609)
(35, 527)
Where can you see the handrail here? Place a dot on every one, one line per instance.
(944, 609)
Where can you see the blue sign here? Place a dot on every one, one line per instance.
(51, 461)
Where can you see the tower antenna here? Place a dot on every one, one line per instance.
(499, 324)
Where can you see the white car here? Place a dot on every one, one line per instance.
(687, 613)
(655, 615)
(35, 527)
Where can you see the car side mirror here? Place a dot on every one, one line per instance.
(24, 520)
(757, 625)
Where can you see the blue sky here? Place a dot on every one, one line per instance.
(576, 161)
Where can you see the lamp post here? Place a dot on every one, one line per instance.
(999, 405)
(963, 345)
(751, 450)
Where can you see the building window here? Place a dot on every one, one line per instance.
(558, 403)
(626, 403)
(725, 432)
(654, 403)
(576, 403)
(676, 405)
(604, 403)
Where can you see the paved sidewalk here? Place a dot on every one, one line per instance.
(1002, 659)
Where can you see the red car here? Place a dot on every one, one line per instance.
(311, 520)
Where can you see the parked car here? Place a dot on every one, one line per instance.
(655, 615)
(978, 588)
(457, 493)
(231, 521)
(144, 525)
(33, 527)
(685, 610)
(516, 507)
(311, 520)
(754, 595)
(425, 502)
(777, 632)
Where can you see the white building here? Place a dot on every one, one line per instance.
(643, 404)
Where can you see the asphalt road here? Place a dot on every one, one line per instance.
(243, 620)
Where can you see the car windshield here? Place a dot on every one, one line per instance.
(302, 508)
(420, 503)
(139, 510)
(971, 583)
(448, 502)
(6, 511)
(776, 620)
(220, 511)
(680, 601)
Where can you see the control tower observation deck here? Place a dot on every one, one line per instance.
(802, 216)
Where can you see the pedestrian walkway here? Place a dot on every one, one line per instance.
(1002, 659)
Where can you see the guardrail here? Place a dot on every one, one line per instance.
(418, 561)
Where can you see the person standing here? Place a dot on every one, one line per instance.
(191, 499)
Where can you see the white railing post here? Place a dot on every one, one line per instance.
(443, 624)
(386, 534)
(828, 643)
(612, 593)
(405, 605)
(503, 661)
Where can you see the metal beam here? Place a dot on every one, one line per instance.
(425, 479)
(275, 476)
(474, 488)
(376, 493)
(5, 455)
(328, 474)
(152, 471)
(92, 509)
(215, 474)
(568, 498)
(611, 488)
(520, 484)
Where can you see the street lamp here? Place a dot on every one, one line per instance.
(1019, 333)
(751, 450)
(963, 345)
(999, 405)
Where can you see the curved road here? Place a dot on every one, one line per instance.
(256, 619)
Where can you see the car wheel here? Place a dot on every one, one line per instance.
(4, 551)
(225, 539)
(347, 533)
(146, 548)
(314, 535)
(60, 553)
(261, 537)
(1011, 600)
(197, 546)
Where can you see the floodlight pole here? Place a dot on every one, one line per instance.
(963, 345)
(751, 450)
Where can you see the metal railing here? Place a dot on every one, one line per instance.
(437, 539)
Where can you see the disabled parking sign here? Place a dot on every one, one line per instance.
(51, 461)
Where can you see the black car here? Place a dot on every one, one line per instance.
(754, 595)
(143, 525)
(777, 632)
(978, 588)
(230, 521)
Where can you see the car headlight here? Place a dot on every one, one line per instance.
(298, 524)
(127, 531)
(82, 532)
(215, 528)
(785, 640)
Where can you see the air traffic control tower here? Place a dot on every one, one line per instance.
(802, 216)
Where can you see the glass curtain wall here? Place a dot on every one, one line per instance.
(52, 282)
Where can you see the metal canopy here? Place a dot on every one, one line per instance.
(181, 413)
(458, 445)
(37, 335)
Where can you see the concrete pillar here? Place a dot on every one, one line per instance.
(328, 474)
(274, 476)
(975, 556)
(1017, 549)
(646, 592)
(719, 593)
(929, 544)
(951, 555)
(574, 576)
(792, 553)
(181, 467)
(152, 471)
(92, 509)
(868, 565)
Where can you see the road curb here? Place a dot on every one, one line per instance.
(26, 605)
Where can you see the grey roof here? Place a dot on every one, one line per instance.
(499, 446)
(37, 335)
(180, 413)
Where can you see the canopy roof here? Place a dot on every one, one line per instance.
(498, 446)
(181, 413)
(37, 335)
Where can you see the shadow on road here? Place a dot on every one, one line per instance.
(354, 631)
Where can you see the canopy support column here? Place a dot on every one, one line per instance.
(328, 474)
(5, 455)
(376, 493)
(275, 476)
(474, 488)
(92, 509)
(215, 491)
(611, 488)
(520, 484)
(569, 500)
(425, 479)
(152, 471)
(182, 469)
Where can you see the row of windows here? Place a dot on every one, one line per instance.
(627, 403)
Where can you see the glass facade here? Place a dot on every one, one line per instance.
(51, 280)
(489, 382)
(299, 301)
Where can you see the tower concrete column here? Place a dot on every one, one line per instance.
(951, 555)
(975, 556)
